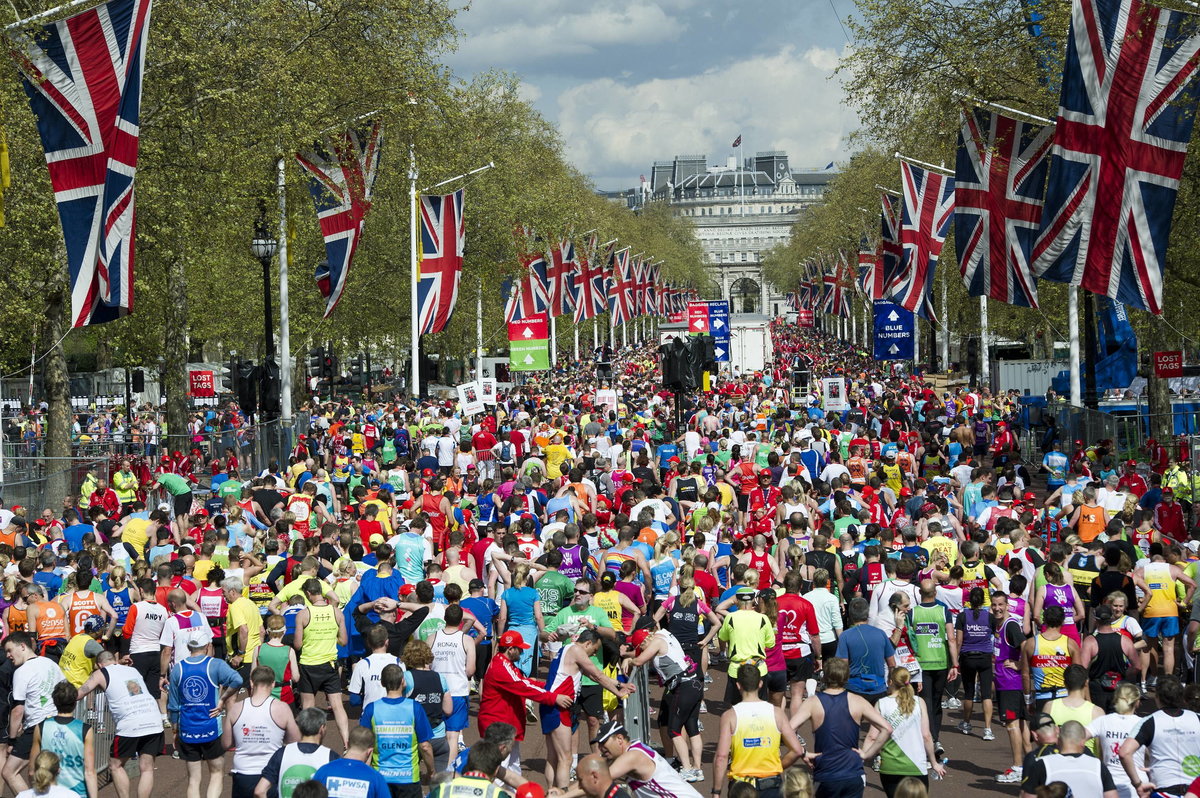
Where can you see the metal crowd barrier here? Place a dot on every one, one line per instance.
(104, 731)
(637, 708)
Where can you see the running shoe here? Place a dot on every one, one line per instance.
(988, 736)
(1010, 776)
(692, 776)
(964, 727)
(951, 703)
(939, 751)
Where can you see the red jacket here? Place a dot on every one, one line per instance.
(502, 696)
(108, 500)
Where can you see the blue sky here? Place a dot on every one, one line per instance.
(633, 81)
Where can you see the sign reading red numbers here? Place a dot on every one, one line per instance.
(804, 318)
(1168, 364)
(200, 383)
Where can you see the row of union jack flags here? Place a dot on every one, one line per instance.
(585, 283)
(1087, 200)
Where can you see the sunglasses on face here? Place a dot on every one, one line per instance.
(583, 592)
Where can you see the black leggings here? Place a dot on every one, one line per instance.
(976, 665)
(891, 781)
(680, 709)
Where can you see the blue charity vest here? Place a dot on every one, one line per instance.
(66, 740)
(198, 695)
(396, 755)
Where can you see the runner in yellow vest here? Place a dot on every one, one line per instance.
(79, 657)
(320, 629)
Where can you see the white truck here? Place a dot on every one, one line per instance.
(750, 343)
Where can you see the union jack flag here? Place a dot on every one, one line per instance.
(1124, 120)
(560, 278)
(341, 176)
(443, 235)
(807, 296)
(83, 76)
(928, 203)
(998, 182)
(891, 251)
(870, 274)
(529, 294)
(837, 295)
(590, 300)
(793, 300)
(620, 286)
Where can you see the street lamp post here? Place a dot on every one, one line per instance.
(263, 247)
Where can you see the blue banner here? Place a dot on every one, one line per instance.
(718, 328)
(894, 331)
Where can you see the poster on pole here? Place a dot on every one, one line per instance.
(200, 383)
(833, 389)
(894, 331)
(606, 397)
(529, 344)
(804, 318)
(470, 398)
(487, 390)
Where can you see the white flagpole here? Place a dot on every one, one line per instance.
(984, 357)
(576, 343)
(553, 341)
(285, 334)
(916, 341)
(945, 328)
(479, 331)
(413, 174)
(1073, 334)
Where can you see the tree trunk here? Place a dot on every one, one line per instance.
(56, 383)
(175, 351)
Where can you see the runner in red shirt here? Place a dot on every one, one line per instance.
(799, 635)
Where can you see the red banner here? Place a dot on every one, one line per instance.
(675, 318)
(200, 383)
(534, 328)
(697, 317)
(804, 318)
(1168, 364)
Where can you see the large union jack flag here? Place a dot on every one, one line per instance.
(560, 278)
(443, 236)
(83, 76)
(590, 300)
(837, 290)
(793, 300)
(620, 286)
(530, 294)
(891, 251)
(1124, 120)
(998, 181)
(870, 274)
(341, 177)
(927, 203)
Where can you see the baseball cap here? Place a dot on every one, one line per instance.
(407, 590)
(1131, 463)
(608, 730)
(746, 595)
(198, 640)
(428, 472)
(1041, 720)
(638, 638)
(375, 539)
(1168, 492)
(1192, 545)
(1103, 613)
(511, 639)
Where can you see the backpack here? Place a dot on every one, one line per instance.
(505, 452)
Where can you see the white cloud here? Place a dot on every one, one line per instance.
(784, 100)
(540, 30)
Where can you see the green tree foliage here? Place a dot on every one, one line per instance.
(232, 85)
(913, 65)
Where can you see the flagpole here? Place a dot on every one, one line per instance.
(415, 386)
(553, 340)
(21, 23)
(916, 341)
(285, 328)
(1073, 334)
(479, 330)
(984, 357)
(925, 165)
(576, 343)
(945, 327)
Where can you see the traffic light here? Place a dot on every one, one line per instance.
(231, 377)
(269, 402)
(358, 373)
(247, 386)
(316, 362)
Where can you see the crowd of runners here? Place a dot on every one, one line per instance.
(394, 608)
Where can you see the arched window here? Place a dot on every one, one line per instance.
(744, 296)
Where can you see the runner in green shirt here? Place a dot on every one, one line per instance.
(554, 589)
(577, 616)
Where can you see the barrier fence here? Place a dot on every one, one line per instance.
(25, 478)
(104, 729)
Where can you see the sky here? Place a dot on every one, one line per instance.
(629, 82)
